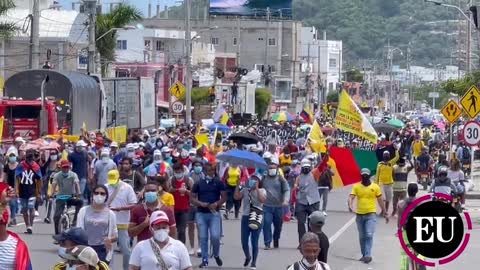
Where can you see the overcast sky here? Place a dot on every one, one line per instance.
(141, 4)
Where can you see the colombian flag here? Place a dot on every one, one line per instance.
(316, 139)
(346, 165)
(307, 115)
(225, 120)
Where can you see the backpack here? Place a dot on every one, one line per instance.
(466, 155)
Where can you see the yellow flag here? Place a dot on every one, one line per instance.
(2, 119)
(117, 134)
(224, 119)
(316, 139)
(202, 139)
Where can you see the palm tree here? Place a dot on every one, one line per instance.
(117, 18)
(7, 29)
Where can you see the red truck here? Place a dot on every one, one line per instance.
(22, 118)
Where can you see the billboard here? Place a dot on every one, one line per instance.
(278, 8)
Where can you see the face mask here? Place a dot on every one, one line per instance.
(62, 252)
(99, 199)
(189, 142)
(105, 159)
(161, 235)
(131, 154)
(152, 140)
(272, 172)
(12, 159)
(178, 175)
(184, 156)
(252, 183)
(157, 159)
(150, 196)
(65, 174)
(53, 157)
(306, 170)
(180, 146)
(159, 145)
(167, 155)
(197, 169)
(71, 267)
(192, 158)
(307, 264)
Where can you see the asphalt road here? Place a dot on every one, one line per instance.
(340, 227)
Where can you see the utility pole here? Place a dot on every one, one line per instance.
(389, 63)
(469, 38)
(319, 79)
(35, 36)
(188, 73)
(238, 42)
(266, 40)
(307, 77)
(91, 6)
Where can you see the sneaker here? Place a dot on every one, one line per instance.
(362, 259)
(247, 261)
(191, 252)
(199, 253)
(218, 261)
(267, 247)
(367, 260)
(225, 216)
(47, 220)
(325, 213)
(275, 244)
(253, 266)
(29, 230)
(36, 213)
(203, 264)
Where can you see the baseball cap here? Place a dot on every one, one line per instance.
(316, 218)
(20, 140)
(81, 143)
(65, 163)
(114, 144)
(306, 163)
(158, 217)
(192, 152)
(84, 254)
(113, 176)
(75, 234)
(157, 153)
(130, 146)
(165, 149)
(365, 171)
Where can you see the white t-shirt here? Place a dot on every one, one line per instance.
(125, 196)
(175, 255)
(8, 251)
(319, 266)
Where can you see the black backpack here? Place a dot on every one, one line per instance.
(466, 155)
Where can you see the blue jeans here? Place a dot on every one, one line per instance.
(13, 208)
(209, 222)
(124, 245)
(272, 215)
(254, 235)
(366, 229)
(83, 185)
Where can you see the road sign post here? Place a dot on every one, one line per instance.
(451, 111)
(471, 133)
(178, 90)
(177, 107)
(471, 102)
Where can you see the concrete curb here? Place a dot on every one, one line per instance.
(472, 196)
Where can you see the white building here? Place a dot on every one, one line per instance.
(160, 46)
(321, 56)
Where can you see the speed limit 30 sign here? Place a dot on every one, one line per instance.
(471, 133)
(177, 107)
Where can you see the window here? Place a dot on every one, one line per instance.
(121, 44)
(332, 63)
(272, 42)
(234, 41)
(215, 41)
(260, 39)
(159, 45)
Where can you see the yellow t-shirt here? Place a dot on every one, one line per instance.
(284, 161)
(384, 174)
(366, 198)
(417, 148)
(233, 176)
(167, 199)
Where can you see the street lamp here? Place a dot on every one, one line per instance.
(127, 27)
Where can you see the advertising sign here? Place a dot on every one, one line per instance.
(251, 7)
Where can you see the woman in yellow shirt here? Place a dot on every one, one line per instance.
(285, 158)
(232, 178)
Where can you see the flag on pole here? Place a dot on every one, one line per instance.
(316, 139)
(307, 115)
(219, 113)
(2, 119)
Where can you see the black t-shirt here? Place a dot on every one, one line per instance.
(10, 175)
(324, 245)
(27, 182)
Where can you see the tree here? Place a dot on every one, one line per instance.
(7, 29)
(117, 18)
(332, 97)
(263, 97)
(354, 75)
(460, 86)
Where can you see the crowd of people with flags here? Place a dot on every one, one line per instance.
(164, 192)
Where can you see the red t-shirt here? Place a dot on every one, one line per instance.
(138, 214)
(182, 201)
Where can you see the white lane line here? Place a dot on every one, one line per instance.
(342, 230)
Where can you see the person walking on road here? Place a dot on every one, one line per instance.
(252, 196)
(181, 187)
(309, 248)
(100, 224)
(278, 195)
(400, 180)
(122, 199)
(367, 194)
(316, 222)
(102, 168)
(160, 251)
(209, 194)
(384, 177)
(308, 199)
(79, 161)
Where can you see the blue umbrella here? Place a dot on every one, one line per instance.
(219, 127)
(245, 158)
(426, 121)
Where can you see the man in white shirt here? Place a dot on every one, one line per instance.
(310, 248)
(122, 198)
(160, 251)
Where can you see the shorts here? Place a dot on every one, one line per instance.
(387, 192)
(191, 214)
(27, 203)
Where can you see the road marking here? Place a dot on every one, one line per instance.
(23, 223)
(342, 230)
